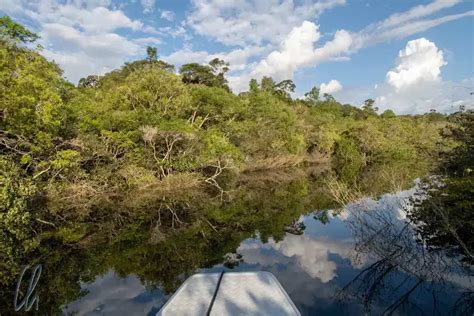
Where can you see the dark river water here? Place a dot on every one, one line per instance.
(364, 259)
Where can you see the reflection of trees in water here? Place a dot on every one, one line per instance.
(166, 239)
(402, 266)
(464, 304)
(444, 216)
(163, 242)
(296, 228)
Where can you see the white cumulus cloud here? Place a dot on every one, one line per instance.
(415, 85)
(330, 87)
(420, 61)
(297, 51)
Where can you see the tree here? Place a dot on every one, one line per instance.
(10, 30)
(140, 64)
(152, 58)
(369, 108)
(285, 88)
(445, 209)
(90, 81)
(152, 54)
(286, 85)
(212, 75)
(196, 74)
(328, 98)
(312, 96)
(369, 103)
(219, 66)
(459, 161)
(388, 114)
(253, 85)
(267, 84)
(281, 89)
(32, 110)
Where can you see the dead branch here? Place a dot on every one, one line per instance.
(204, 120)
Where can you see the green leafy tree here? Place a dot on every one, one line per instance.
(91, 81)
(197, 74)
(369, 107)
(388, 114)
(253, 86)
(219, 66)
(34, 119)
(282, 89)
(285, 88)
(312, 96)
(12, 31)
(267, 84)
(212, 75)
(445, 212)
(328, 98)
(152, 54)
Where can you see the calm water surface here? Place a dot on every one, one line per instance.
(364, 260)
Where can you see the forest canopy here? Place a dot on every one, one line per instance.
(146, 122)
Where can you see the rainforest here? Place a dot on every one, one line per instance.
(156, 172)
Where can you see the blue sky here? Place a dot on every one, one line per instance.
(410, 56)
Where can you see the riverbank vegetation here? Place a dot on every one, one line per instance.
(114, 145)
(444, 213)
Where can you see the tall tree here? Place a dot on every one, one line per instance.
(219, 66)
(197, 74)
(369, 107)
(388, 114)
(12, 31)
(90, 81)
(282, 89)
(253, 85)
(328, 97)
(285, 88)
(267, 84)
(312, 96)
(152, 54)
(212, 75)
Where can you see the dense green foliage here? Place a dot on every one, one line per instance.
(445, 211)
(210, 75)
(12, 31)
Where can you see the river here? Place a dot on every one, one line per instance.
(362, 259)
